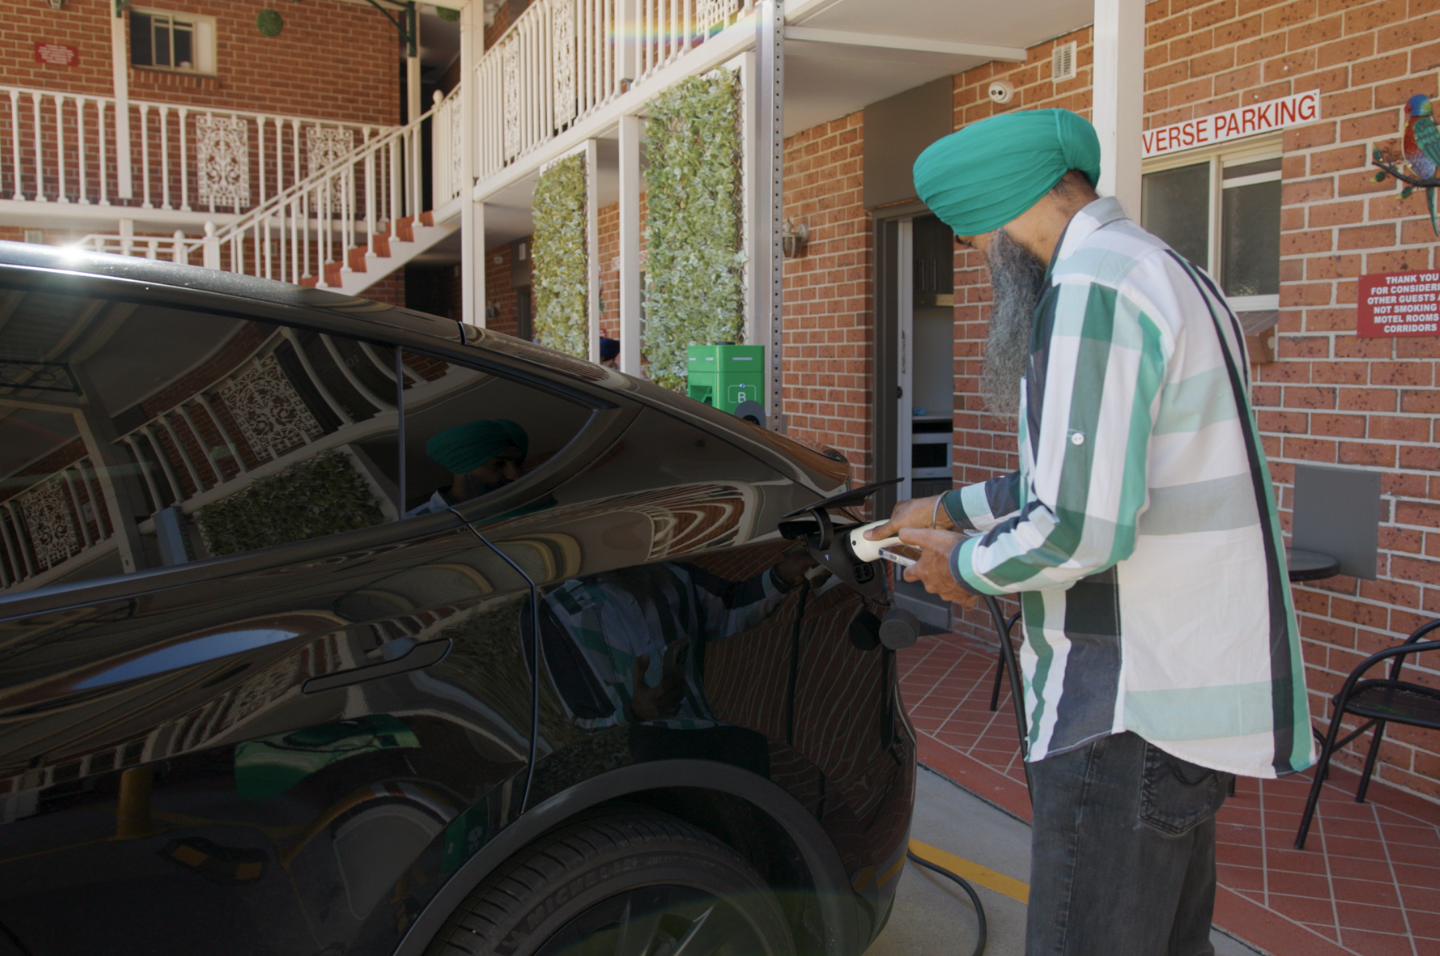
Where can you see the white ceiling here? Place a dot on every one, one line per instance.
(824, 81)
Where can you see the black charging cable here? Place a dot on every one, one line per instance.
(534, 656)
(979, 910)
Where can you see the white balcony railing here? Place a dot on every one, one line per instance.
(63, 148)
(307, 233)
(562, 60)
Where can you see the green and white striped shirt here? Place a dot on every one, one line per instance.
(1140, 531)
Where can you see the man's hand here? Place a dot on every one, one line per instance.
(915, 513)
(662, 700)
(933, 568)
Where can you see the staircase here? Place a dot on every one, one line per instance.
(344, 227)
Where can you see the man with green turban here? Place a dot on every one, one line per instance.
(481, 456)
(1160, 653)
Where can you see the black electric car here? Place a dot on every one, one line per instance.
(274, 678)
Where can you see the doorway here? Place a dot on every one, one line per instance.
(914, 374)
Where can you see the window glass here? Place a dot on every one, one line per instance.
(1251, 169)
(1250, 239)
(171, 41)
(136, 437)
(470, 433)
(1175, 205)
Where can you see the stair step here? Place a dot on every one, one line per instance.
(404, 229)
(332, 273)
(356, 258)
(427, 218)
(381, 243)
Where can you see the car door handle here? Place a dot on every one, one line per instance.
(421, 655)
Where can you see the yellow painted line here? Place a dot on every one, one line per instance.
(974, 872)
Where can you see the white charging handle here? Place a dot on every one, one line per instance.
(863, 548)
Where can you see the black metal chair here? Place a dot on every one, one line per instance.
(1379, 701)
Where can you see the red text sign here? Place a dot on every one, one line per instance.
(1245, 121)
(1399, 303)
(56, 54)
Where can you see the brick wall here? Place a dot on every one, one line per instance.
(828, 311)
(1331, 398)
(338, 60)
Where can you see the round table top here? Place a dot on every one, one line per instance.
(1310, 565)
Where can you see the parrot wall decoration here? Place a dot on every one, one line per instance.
(1420, 145)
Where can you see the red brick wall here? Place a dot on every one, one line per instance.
(499, 293)
(338, 60)
(1331, 397)
(828, 312)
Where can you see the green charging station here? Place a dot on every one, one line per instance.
(725, 375)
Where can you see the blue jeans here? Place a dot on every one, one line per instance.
(1122, 853)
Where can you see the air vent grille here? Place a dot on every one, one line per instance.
(1062, 62)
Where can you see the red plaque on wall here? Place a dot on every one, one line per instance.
(56, 54)
(1398, 304)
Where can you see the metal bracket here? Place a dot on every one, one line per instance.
(120, 7)
(407, 29)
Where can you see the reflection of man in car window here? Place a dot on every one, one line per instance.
(482, 456)
(627, 647)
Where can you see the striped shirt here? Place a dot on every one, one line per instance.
(1141, 531)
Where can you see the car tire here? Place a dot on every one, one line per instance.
(628, 882)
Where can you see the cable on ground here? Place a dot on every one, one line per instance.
(979, 909)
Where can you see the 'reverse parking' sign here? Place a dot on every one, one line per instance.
(1398, 303)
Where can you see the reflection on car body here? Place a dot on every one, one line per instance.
(256, 696)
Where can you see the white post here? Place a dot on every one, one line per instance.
(1119, 97)
(627, 22)
(630, 245)
(472, 213)
(412, 77)
(592, 244)
(120, 69)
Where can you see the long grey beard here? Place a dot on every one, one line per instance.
(1017, 280)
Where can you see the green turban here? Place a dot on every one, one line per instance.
(467, 447)
(991, 172)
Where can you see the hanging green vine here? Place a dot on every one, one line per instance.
(693, 287)
(324, 495)
(560, 280)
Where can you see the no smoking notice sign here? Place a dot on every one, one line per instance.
(1398, 304)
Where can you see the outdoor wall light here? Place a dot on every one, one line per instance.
(793, 238)
(57, 4)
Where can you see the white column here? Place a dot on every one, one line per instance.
(592, 245)
(120, 68)
(472, 214)
(1119, 97)
(630, 245)
(412, 77)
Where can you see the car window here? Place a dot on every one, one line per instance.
(140, 436)
(470, 433)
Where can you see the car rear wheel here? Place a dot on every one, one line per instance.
(633, 883)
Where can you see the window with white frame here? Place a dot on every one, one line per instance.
(1221, 210)
(165, 40)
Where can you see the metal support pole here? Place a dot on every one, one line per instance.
(472, 214)
(769, 199)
